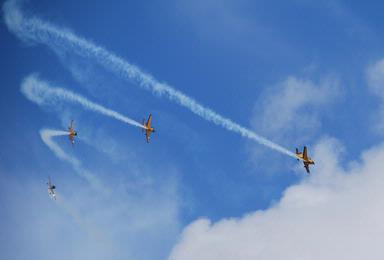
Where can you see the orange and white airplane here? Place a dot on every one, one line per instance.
(72, 133)
(148, 128)
(305, 158)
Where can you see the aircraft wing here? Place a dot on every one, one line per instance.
(149, 121)
(72, 139)
(148, 135)
(305, 153)
(306, 166)
(52, 194)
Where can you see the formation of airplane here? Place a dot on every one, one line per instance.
(72, 133)
(51, 189)
(148, 128)
(305, 158)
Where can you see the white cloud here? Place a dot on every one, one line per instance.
(375, 80)
(335, 214)
(138, 221)
(292, 107)
(291, 113)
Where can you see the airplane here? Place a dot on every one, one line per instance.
(148, 128)
(51, 189)
(305, 158)
(72, 133)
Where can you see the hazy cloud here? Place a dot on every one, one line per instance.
(375, 80)
(293, 107)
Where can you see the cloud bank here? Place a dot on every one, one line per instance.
(336, 214)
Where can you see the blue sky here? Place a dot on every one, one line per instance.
(294, 72)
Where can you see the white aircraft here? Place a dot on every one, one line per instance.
(51, 189)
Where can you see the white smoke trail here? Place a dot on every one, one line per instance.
(42, 32)
(40, 92)
(47, 135)
(76, 216)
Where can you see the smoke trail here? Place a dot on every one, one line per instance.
(40, 92)
(76, 216)
(47, 135)
(54, 37)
